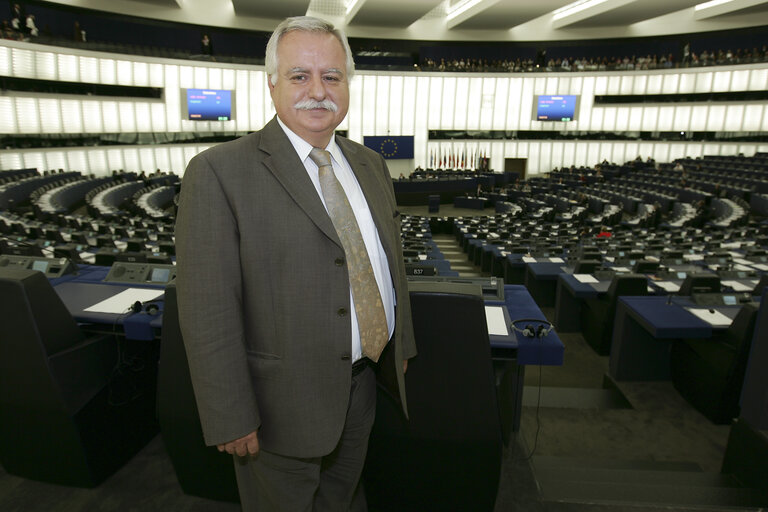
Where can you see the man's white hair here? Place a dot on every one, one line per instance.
(304, 24)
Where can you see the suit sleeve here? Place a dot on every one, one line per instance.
(209, 288)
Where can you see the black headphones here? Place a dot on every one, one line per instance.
(150, 308)
(529, 331)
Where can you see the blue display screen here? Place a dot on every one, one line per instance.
(556, 108)
(209, 105)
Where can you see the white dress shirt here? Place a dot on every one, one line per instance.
(376, 254)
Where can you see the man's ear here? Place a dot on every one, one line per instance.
(269, 82)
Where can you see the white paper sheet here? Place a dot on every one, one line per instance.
(668, 286)
(760, 266)
(528, 259)
(713, 316)
(556, 260)
(737, 286)
(585, 278)
(121, 302)
(494, 317)
(621, 269)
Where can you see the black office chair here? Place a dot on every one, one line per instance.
(760, 286)
(448, 456)
(586, 266)
(645, 267)
(709, 373)
(700, 282)
(64, 415)
(202, 470)
(597, 315)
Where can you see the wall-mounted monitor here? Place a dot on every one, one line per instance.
(208, 104)
(560, 107)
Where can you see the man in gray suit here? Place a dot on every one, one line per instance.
(274, 321)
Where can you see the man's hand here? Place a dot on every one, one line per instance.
(247, 445)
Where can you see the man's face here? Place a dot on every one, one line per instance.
(311, 70)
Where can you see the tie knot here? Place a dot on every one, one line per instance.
(321, 157)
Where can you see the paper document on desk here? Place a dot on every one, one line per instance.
(494, 317)
(760, 266)
(556, 260)
(528, 259)
(737, 286)
(711, 316)
(623, 270)
(668, 286)
(122, 302)
(586, 278)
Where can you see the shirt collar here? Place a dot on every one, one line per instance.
(303, 147)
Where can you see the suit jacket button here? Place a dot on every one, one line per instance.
(342, 312)
(346, 357)
(339, 262)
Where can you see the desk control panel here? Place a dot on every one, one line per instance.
(140, 273)
(51, 267)
(720, 299)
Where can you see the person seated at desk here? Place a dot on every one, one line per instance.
(605, 232)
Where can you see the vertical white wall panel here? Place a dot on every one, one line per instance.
(409, 112)
(448, 104)
(110, 116)
(107, 71)
(704, 82)
(127, 116)
(716, 118)
(722, 81)
(687, 83)
(640, 83)
(654, 85)
(6, 61)
(92, 119)
(474, 103)
(757, 79)
(23, 63)
(27, 115)
(143, 117)
(526, 102)
(141, 74)
(45, 66)
(666, 117)
(734, 118)
(435, 102)
(380, 102)
(71, 116)
(68, 68)
(89, 69)
(124, 72)
(50, 115)
(369, 91)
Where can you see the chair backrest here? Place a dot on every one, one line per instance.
(450, 384)
(645, 266)
(201, 470)
(586, 266)
(760, 286)
(627, 285)
(700, 282)
(35, 325)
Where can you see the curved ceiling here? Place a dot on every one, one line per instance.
(461, 20)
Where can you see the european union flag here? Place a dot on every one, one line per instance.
(391, 146)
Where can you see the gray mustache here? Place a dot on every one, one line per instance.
(312, 104)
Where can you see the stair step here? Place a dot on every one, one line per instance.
(575, 491)
(551, 461)
(575, 398)
(553, 476)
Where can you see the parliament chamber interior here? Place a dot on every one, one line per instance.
(583, 190)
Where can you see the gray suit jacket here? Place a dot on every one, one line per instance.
(264, 293)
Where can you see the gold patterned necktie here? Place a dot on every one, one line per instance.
(371, 318)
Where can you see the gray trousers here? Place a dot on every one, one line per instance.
(275, 483)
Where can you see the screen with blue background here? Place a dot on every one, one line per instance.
(209, 105)
(556, 108)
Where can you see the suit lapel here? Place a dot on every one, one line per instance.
(285, 165)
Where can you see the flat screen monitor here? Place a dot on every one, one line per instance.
(729, 300)
(208, 104)
(40, 265)
(556, 107)
(160, 275)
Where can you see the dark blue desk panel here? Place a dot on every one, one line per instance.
(475, 203)
(547, 351)
(644, 330)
